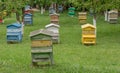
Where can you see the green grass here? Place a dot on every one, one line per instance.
(70, 55)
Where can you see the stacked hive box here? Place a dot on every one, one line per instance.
(41, 46)
(88, 34)
(28, 19)
(113, 16)
(71, 11)
(14, 32)
(82, 17)
(55, 29)
(54, 18)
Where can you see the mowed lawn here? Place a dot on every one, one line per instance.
(70, 55)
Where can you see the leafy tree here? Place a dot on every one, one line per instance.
(16, 6)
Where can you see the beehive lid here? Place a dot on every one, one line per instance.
(16, 25)
(52, 25)
(87, 25)
(54, 14)
(42, 31)
(82, 13)
(29, 14)
(71, 8)
(113, 11)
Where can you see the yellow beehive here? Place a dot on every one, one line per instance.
(88, 34)
(82, 17)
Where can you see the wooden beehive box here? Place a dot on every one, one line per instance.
(54, 18)
(14, 32)
(41, 46)
(113, 16)
(82, 17)
(28, 19)
(88, 34)
(71, 11)
(55, 29)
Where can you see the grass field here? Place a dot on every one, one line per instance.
(70, 55)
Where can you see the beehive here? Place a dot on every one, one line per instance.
(55, 29)
(71, 11)
(28, 19)
(14, 32)
(88, 34)
(82, 17)
(113, 16)
(54, 18)
(41, 46)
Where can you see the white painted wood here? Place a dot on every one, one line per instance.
(94, 21)
(14, 30)
(22, 29)
(106, 15)
(52, 27)
(42, 10)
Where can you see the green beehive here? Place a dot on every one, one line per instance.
(41, 46)
(71, 11)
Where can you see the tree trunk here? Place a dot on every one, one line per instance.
(18, 17)
(55, 7)
(23, 15)
(106, 15)
(94, 20)
(42, 10)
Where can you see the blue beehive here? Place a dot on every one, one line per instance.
(28, 19)
(14, 32)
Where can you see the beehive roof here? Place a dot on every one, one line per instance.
(87, 25)
(28, 14)
(113, 11)
(42, 31)
(15, 25)
(82, 13)
(54, 14)
(52, 24)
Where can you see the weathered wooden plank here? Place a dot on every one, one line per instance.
(40, 60)
(40, 56)
(39, 43)
(41, 50)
